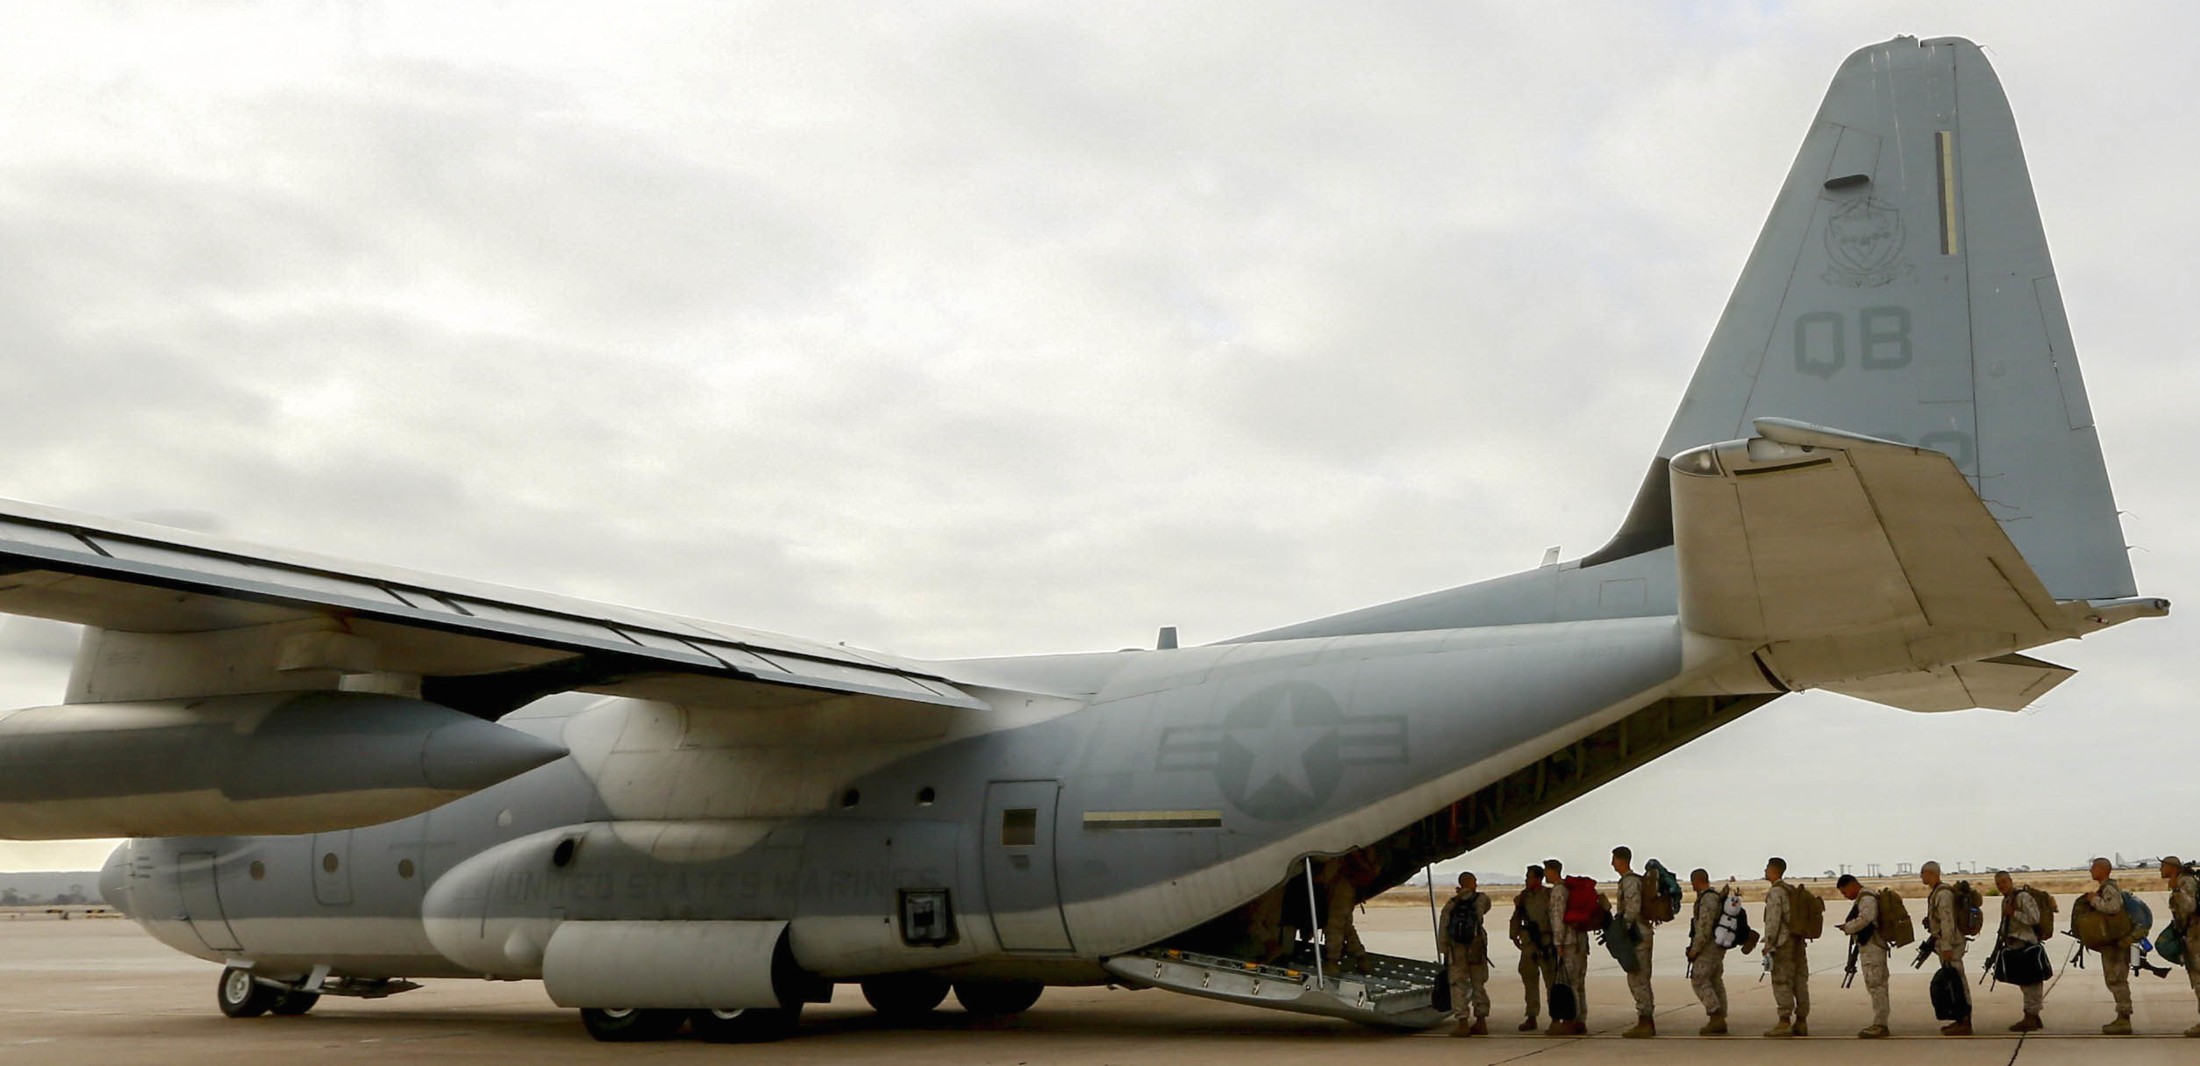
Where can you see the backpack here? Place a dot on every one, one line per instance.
(2025, 965)
(1806, 913)
(1585, 909)
(1661, 900)
(2170, 944)
(2141, 915)
(1894, 919)
(1732, 925)
(2100, 931)
(2047, 905)
(1563, 1007)
(1970, 909)
(1465, 924)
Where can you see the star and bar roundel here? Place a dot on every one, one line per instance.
(1281, 752)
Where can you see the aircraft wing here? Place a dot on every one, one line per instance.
(480, 648)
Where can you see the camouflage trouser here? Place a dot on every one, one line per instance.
(1956, 954)
(1470, 986)
(1708, 978)
(1639, 981)
(2192, 971)
(1791, 980)
(1535, 973)
(2116, 973)
(2035, 997)
(1573, 969)
(1871, 958)
(1340, 939)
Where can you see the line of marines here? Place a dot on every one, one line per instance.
(1554, 954)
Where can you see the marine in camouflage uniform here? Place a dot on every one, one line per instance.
(2116, 958)
(1571, 946)
(1467, 964)
(1948, 939)
(1706, 959)
(2020, 920)
(2184, 905)
(1862, 928)
(1530, 931)
(1790, 955)
(1631, 923)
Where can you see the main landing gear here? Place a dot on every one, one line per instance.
(633, 1025)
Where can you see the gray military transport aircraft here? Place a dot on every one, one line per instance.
(1884, 480)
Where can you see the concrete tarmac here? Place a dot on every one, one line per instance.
(88, 991)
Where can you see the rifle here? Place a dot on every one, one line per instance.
(1848, 974)
(2001, 944)
(1925, 950)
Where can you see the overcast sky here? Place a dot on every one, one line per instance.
(1005, 328)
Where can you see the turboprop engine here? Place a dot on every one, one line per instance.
(268, 763)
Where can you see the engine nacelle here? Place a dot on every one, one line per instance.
(263, 764)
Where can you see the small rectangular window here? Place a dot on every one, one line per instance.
(1019, 827)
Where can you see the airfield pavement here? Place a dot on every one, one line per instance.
(100, 990)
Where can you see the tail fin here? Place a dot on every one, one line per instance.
(1902, 290)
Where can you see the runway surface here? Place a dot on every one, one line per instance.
(87, 991)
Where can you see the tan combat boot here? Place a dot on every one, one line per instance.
(1959, 1027)
(1481, 1027)
(2029, 1023)
(1528, 1026)
(2194, 1031)
(1462, 1027)
(1785, 1028)
(2120, 1027)
(1872, 1032)
(1800, 1029)
(1715, 1026)
(1645, 1026)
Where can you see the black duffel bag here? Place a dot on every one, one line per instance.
(1948, 1001)
(2025, 965)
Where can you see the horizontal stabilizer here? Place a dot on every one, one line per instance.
(1845, 557)
(2002, 683)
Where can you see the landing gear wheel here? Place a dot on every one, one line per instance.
(242, 997)
(630, 1025)
(997, 997)
(292, 1004)
(905, 996)
(753, 1025)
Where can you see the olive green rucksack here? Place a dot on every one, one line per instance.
(2047, 907)
(1894, 919)
(1806, 913)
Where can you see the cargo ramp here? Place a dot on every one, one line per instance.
(1392, 993)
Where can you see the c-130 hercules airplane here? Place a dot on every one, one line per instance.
(1884, 480)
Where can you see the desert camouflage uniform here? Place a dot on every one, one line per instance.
(1468, 965)
(2024, 920)
(1871, 951)
(1790, 956)
(1572, 946)
(2116, 958)
(2184, 905)
(1632, 921)
(1948, 939)
(1531, 931)
(1341, 940)
(1708, 975)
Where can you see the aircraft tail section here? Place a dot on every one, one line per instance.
(1902, 290)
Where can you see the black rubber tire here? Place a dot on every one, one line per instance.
(239, 996)
(625, 1025)
(905, 996)
(292, 1004)
(994, 998)
(754, 1025)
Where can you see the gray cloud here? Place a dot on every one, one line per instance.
(1008, 328)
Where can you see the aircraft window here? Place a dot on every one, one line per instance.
(405, 869)
(329, 863)
(850, 798)
(1019, 827)
(925, 796)
(259, 870)
(562, 855)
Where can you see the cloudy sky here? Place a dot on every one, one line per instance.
(1003, 328)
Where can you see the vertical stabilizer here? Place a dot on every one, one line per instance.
(1902, 289)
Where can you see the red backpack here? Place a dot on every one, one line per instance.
(1585, 909)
